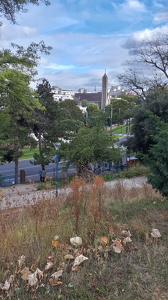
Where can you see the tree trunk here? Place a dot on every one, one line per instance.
(16, 170)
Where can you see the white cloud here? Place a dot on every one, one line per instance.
(135, 5)
(131, 6)
(10, 32)
(161, 17)
(147, 34)
(79, 57)
(158, 4)
(59, 67)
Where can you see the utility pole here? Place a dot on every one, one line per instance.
(111, 116)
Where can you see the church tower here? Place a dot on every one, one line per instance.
(104, 98)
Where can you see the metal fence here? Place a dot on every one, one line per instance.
(7, 180)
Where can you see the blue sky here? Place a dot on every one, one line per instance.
(87, 36)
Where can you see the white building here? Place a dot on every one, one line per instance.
(61, 95)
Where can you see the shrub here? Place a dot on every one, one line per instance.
(138, 170)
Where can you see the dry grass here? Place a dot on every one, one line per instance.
(140, 272)
(120, 192)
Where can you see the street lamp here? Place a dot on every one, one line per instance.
(111, 116)
(57, 146)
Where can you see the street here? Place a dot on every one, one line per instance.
(7, 171)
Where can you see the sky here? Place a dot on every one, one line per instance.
(87, 37)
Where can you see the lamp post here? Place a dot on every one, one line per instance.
(111, 116)
(57, 146)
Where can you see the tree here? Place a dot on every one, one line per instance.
(94, 115)
(70, 118)
(85, 103)
(146, 120)
(88, 146)
(157, 103)
(17, 105)
(131, 98)
(17, 102)
(92, 109)
(10, 8)
(121, 110)
(145, 126)
(157, 161)
(23, 59)
(44, 127)
(16, 70)
(149, 55)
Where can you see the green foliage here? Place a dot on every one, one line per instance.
(150, 137)
(126, 211)
(157, 103)
(121, 129)
(21, 59)
(17, 68)
(132, 99)
(145, 126)
(43, 158)
(121, 110)
(92, 109)
(69, 109)
(90, 145)
(18, 104)
(84, 103)
(28, 152)
(70, 119)
(45, 124)
(134, 171)
(157, 161)
(146, 121)
(50, 183)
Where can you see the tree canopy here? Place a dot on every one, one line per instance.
(17, 104)
(90, 145)
(148, 67)
(157, 161)
(9, 8)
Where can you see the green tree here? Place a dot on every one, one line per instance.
(70, 118)
(88, 146)
(157, 103)
(145, 127)
(85, 103)
(23, 59)
(94, 115)
(45, 126)
(146, 120)
(157, 161)
(18, 103)
(92, 109)
(121, 109)
(131, 98)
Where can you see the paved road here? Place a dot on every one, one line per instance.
(27, 194)
(32, 171)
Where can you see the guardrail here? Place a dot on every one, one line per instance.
(7, 180)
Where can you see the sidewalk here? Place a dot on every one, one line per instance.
(27, 194)
(18, 189)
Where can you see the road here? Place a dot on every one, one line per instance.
(32, 171)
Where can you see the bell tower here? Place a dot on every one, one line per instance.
(104, 98)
